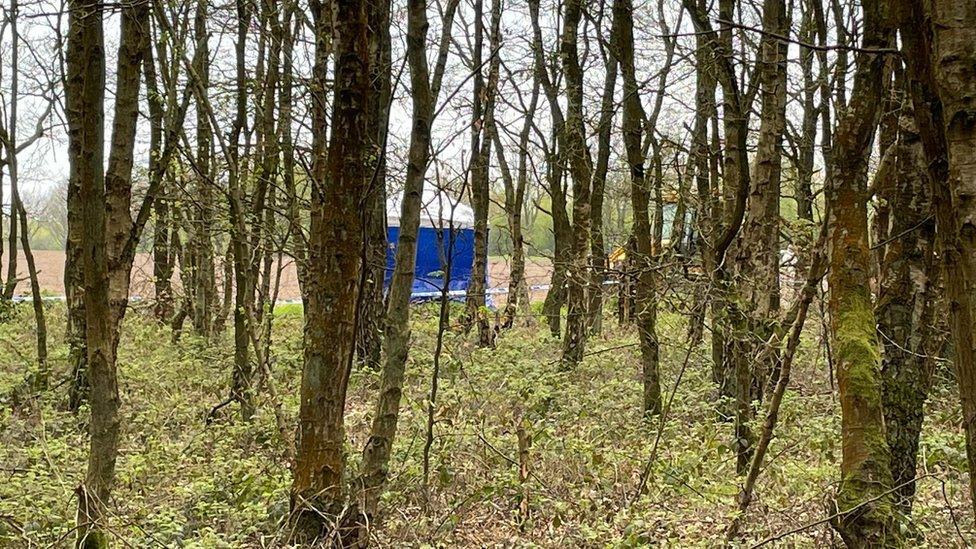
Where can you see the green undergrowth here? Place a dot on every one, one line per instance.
(182, 482)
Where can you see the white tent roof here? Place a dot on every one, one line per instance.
(436, 211)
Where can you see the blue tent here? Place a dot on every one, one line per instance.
(435, 240)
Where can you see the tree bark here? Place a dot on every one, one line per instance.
(369, 342)
(335, 243)
(162, 223)
(752, 311)
(424, 89)
(581, 170)
(865, 465)
(938, 43)
(481, 115)
(85, 93)
(241, 390)
(202, 274)
(906, 305)
(518, 292)
(598, 255)
(561, 227)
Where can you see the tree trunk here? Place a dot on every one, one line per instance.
(335, 243)
(38, 380)
(202, 268)
(481, 113)
(118, 176)
(369, 336)
(865, 465)
(937, 40)
(906, 304)
(561, 228)
(725, 221)
(162, 224)
(424, 91)
(954, 27)
(580, 169)
(756, 257)
(598, 271)
(518, 292)
(241, 390)
(85, 93)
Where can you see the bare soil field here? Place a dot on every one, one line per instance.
(50, 266)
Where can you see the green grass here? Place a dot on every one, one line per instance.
(183, 483)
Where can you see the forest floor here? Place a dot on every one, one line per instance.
(182, 482)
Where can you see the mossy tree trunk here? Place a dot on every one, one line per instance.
(867, 514)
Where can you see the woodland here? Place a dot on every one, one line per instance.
(718, 290)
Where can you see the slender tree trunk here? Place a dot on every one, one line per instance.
(369, 342)
(84, 88)
(905, 308)
(518, 292)
(202, 276)
(481, 113)
(647, 234)
(808, 129)
(561, 227)
(118, 175)
(725, 224)
(12, 243)
(424, 89)
(598, 256)
(756, 256)
(707, 227)
(11, 146)
(296, 233)
(580, 169)
(40, 379)
(335, 245)
(241, 390)
(162, 223)
(865, 465)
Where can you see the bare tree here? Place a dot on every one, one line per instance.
(581, 170)
(424, 87)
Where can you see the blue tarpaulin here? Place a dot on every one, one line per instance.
(430, 274)
(434, 241)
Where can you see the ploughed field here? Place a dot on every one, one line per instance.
(50, 266)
